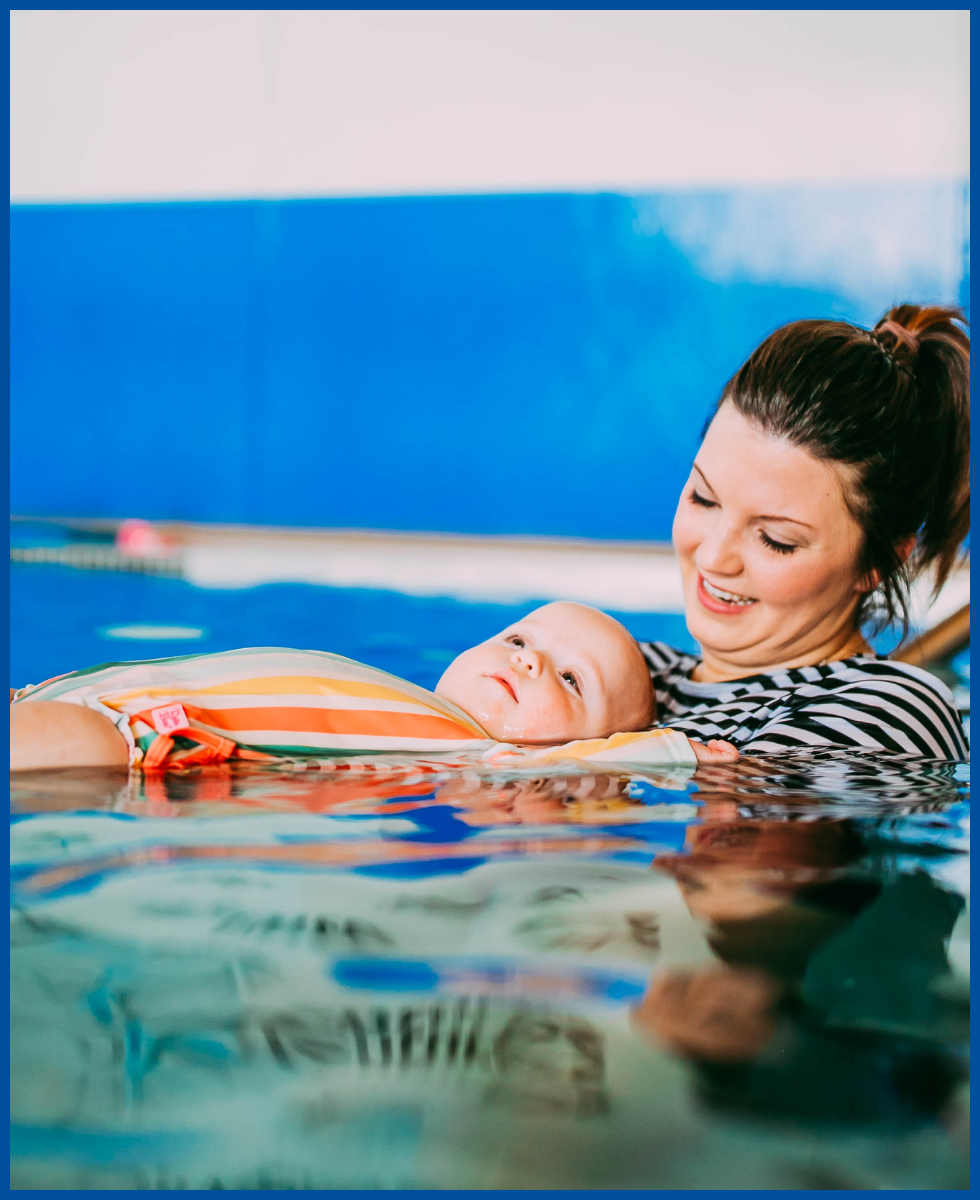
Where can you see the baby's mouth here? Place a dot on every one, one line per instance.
(733, 598)
(505, 683)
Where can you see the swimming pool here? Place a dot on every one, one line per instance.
(387, 975)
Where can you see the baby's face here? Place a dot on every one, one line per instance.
(564, 672)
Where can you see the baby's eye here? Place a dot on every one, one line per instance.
(571, 680)
(516, 640)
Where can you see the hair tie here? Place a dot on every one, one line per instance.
(899, 332)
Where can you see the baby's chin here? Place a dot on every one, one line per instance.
(531, 734)
(502, 730)
(505, 729)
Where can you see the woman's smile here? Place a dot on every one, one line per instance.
(716, 600)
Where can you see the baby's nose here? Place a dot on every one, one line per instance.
(527, 661)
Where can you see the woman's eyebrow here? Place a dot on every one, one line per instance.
(761, 516)
(792, 520)
(703, 476)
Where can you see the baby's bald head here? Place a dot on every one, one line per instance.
(566, 671)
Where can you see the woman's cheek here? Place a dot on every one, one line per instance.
(790, 581)
(779, 583)
(685, 533)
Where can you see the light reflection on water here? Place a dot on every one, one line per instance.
(264, 978)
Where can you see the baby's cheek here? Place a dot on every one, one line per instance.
(542, 718)
(473, 699)
(459, 681)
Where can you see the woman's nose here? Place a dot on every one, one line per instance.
(718, 553)
(527, 662)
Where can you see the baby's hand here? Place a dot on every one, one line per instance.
(714, 752)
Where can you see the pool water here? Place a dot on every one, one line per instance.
(406, 978)
(388, 975)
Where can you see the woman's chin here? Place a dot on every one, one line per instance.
(722, 634)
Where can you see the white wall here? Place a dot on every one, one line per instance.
(185, 104)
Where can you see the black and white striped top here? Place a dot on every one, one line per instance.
(863, 702)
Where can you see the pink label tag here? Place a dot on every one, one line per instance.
(169, 718)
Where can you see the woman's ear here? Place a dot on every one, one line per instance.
(905, 548)
(868, 583)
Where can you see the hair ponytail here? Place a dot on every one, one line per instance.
(935, 343)
(893, 408)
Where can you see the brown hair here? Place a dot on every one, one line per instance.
(893, 407)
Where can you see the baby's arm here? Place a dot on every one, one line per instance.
(714, 752)
(50, 733)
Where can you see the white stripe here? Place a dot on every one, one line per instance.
(800, 736)
(903, 721)
(931, 702)
(843, 718)
(923, 678)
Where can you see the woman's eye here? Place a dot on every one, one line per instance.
(697, 498)
(779, 547)
(516, 641)
(570, 679)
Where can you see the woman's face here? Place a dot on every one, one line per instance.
(769, 552)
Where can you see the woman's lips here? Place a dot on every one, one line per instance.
(505, 683)
(725, 608)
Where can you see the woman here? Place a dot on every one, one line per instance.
(833, 474)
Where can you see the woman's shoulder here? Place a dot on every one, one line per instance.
(864, 702)
(867, 671)
(666, 660)
(859, 671)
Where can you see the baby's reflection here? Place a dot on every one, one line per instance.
(585, 800)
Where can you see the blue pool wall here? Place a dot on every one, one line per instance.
(507, 364)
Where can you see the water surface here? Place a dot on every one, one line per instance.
(395, 976)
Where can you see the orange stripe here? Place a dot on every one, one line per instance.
(289, 685)
(274, 685)
(332, 720)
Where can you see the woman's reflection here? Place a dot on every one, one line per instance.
(832, 997)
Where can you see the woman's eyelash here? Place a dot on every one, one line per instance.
(779, 547)
(516, 640)
(571, 680)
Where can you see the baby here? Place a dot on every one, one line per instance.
(565, 672)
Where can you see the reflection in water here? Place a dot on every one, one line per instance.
(390, 975)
